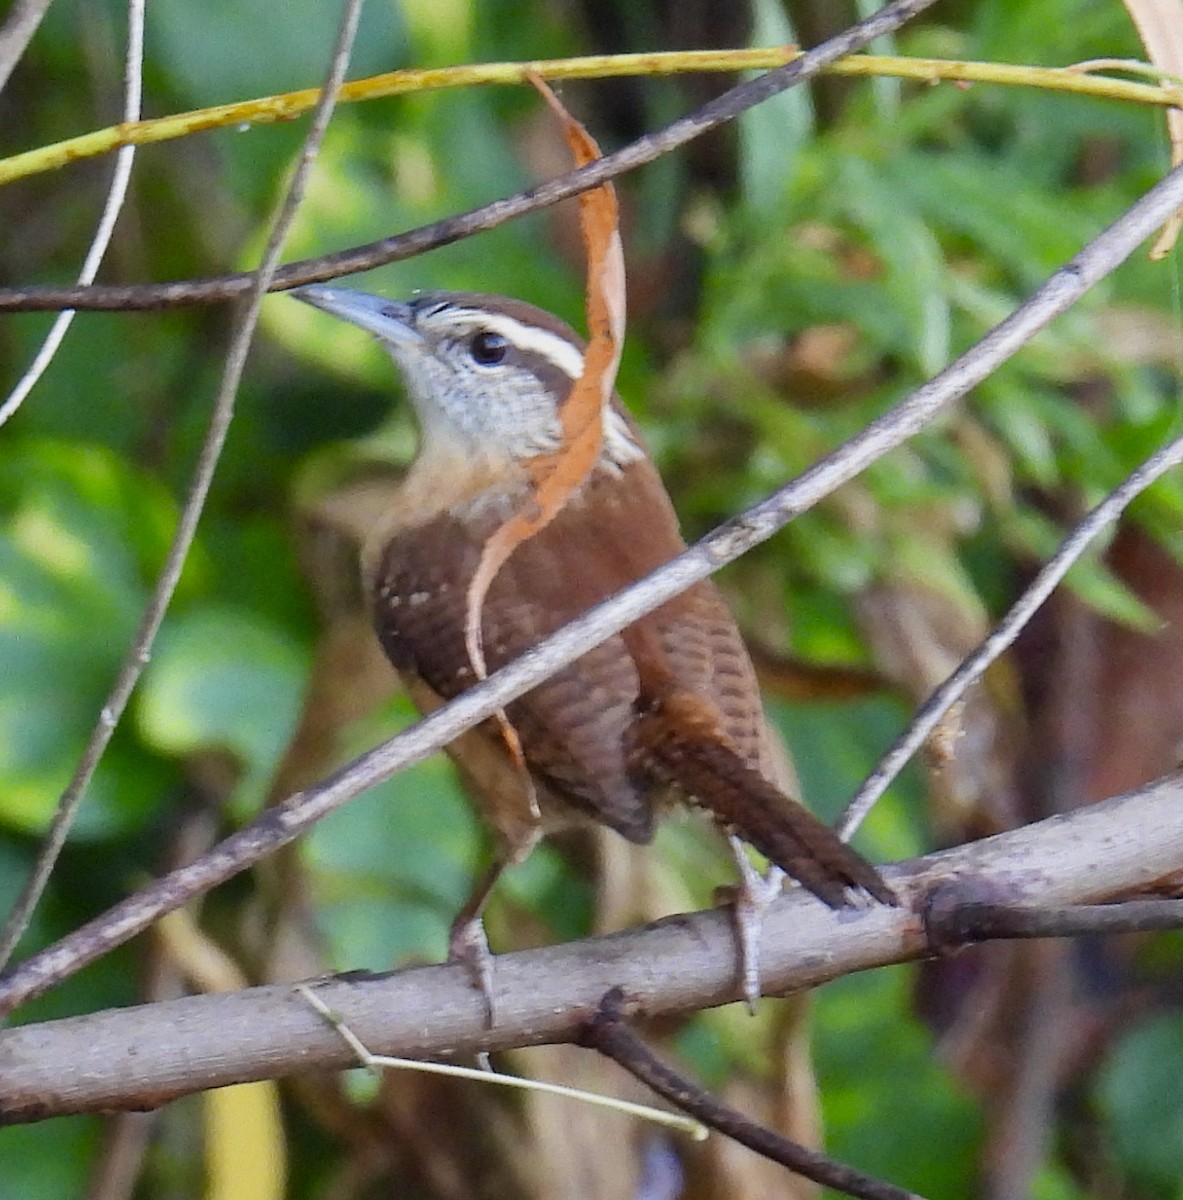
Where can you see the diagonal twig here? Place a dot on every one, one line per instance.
(934, 709)
(609, 1033)
(377, 1063)
(722, 109)
(17, 31)
(223, 412)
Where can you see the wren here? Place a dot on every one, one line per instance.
(668, 709)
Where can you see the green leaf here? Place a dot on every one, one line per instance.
(1028, 233)
(832, 553)
(1054, 1182)
(50, 1158)
(1007, 407)
(916, 271)
(1097, 585)
(225, 51)
(392, 867)
(78, 527)
(223, 679)
(1141, 1105)
(934, 564)
(867, 1019)
(772, 134)
(834, 747)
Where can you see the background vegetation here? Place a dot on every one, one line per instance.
(789, 279)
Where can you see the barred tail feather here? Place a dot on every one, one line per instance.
(675, 743)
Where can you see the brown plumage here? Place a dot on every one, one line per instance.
(669, 707)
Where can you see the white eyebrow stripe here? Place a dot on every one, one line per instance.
(619, 445)
(557, 350)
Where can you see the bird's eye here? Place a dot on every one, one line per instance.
(488, 348)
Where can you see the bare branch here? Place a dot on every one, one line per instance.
(223, 411)
(722, 109)
(956, 921)
(17, 31)
(283, 823)
(609, 1033)
(934, 709)
(144, 1056)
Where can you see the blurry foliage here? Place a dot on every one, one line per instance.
(393, 867)
(848, 262)
(864, 1019)
(1140, 1105)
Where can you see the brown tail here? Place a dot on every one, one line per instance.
(676, 742)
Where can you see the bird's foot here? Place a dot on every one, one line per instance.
(468, 946)
(753, 897)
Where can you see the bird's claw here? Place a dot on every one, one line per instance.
(753, 897)
(469, 947)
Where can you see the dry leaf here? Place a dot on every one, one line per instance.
(1160, 26)
(556, 476)
(245, 1151)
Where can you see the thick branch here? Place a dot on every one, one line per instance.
(141, 1057)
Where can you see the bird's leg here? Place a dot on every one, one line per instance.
(754, 896)
(467, 943)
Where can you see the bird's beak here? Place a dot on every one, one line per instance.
(390, 320)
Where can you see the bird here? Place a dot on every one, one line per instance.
(667, 710)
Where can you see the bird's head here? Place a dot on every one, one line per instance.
(488, 375)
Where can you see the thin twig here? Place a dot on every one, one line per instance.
(223, 411)
(722, 109)
(133, 87)
(1077, 80)
(609, 1033)
(281, 824)
(979, 921)
(380, 1062)
(17, 31)
(934, 709)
